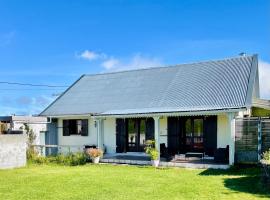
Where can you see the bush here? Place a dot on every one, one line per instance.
(266, 157)
(265, 163)
(31, 153)
(71, 159)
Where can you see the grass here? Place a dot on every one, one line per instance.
(129, 182)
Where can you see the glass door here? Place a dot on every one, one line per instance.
(198, 135)
(142, 133)
(194, 135)
(136, 135)
(132, 135)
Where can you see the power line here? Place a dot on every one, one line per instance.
(36, 89)
(32, 85)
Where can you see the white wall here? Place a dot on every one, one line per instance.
(79, 140)
(12, 150)
(109, 139)
(223, 136)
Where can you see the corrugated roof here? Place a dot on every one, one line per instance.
(208, 85)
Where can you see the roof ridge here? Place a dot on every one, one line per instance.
(170, 66)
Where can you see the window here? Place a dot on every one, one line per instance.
(75, 127)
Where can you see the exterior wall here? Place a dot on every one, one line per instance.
(163, 131)
(223, 136)
(38, 128)
(77, 140)
(109, 133)
(12, 151)
(109, 139)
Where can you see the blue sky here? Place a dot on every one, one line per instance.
(55, 42)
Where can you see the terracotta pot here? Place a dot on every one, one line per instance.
(155, 163)
(95, 160)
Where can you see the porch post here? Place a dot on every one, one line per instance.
(231, 130)
(157, 130)
(99, 127)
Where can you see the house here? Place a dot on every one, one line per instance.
(187, 107)
(14, 124)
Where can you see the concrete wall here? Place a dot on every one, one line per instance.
(12, 151)
(79, 140)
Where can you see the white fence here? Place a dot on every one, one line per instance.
(46, 150)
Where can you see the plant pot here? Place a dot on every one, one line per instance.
(155, 163)
(95, 160)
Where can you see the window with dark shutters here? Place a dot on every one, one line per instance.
(75, 127)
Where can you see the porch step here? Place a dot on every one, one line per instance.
(122, 161)
(168, 164)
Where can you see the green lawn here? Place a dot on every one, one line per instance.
(128, 182)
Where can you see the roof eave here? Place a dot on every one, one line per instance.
(167, 114)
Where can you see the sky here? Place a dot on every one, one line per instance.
(49, 42)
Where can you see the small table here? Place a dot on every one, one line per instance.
(194, 154)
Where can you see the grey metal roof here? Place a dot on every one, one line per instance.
(209, 85)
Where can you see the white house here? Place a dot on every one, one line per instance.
(187, 107)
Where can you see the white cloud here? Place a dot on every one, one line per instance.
(264, 74)
(135, 62)
(110, 63)
(91, 55)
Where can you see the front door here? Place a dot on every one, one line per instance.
(194, 134)
(136, 134)
(131, 134)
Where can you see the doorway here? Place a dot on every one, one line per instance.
(194, 135)
(132, 133)
(136, 135)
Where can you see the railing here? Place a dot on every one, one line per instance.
(46, 150)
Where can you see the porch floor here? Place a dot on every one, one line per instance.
(177, 161)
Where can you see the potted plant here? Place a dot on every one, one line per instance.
(95, 154)
(152, 152)
(265, 162)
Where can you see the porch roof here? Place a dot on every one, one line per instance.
(201, 86)
(169, 112)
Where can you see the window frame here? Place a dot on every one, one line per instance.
(75, 127)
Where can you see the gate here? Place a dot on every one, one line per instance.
(252, 138)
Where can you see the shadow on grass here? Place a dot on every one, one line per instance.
(241, 179)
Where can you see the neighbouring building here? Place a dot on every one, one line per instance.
(14, 124)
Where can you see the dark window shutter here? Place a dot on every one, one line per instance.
(66, 128)
(210, 135)
(174, 132)
(150, 129)
(120, 135)
(84, 127)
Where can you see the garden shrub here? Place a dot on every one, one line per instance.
(71, 159)
(266, 157)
